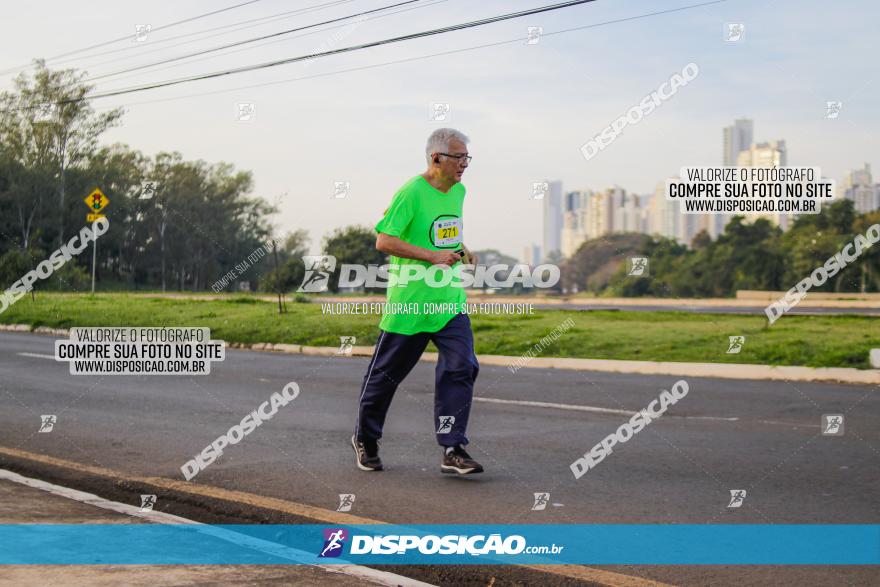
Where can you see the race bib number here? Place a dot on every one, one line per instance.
(446, 232)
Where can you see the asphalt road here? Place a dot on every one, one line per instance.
(763, 437)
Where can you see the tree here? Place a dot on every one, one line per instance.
(869, 261)
(352, 244)
(489, 257)
(597, 260)
(199, 225)
(291, 269)
(119, 172)
(701, 240)
(48, 125)
(665, 257)
(815, 237)
(201, 222)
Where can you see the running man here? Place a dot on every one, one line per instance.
(422, 228)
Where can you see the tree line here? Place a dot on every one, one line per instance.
(748, 255)
(199, 221)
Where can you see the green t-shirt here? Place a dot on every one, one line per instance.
(423, 216)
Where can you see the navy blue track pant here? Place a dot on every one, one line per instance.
(394, 357)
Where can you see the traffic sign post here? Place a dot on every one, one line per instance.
(94, 258)
(96, 201)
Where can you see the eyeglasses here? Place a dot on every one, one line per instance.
(467, 158)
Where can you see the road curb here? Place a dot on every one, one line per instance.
(714, 370)
(12, 459)
(26, 328)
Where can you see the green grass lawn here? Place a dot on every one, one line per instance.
(816, 341)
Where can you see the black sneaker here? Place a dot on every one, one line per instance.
(458, 461)
(367, 455)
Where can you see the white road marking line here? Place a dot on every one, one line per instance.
(36, 355)
(577, 408)
(361, 572)
(534, 404)
(790, 424)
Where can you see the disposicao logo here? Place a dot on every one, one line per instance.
(334, 540)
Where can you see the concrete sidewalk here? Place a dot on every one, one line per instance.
(20, 504)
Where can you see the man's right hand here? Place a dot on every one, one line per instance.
(448, 258)
(392, 245)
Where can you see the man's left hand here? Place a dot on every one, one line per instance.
(469, 258)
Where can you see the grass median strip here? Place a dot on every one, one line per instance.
(812, 341)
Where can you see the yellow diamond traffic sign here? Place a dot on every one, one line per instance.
(96, 201)
(93, 217)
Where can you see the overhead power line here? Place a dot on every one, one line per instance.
(252, 40)
(127, 37)
(153, 47)
(428, 33)
(282, 40)
(423, 57)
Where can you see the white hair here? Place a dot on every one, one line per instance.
(438, 142)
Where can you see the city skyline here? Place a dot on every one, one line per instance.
(572, 217)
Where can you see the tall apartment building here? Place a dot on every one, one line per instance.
(859, 186)
(665, 218)
(589, 215)
(645, 213)
(736, 138)
(574, 221)
(531, 255)
(600, 215)
(664, 214)
(552, 236)
(769, 154)
(627, 214)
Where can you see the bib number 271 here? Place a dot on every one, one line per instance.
(446, 232)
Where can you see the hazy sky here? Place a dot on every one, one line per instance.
(527, 108)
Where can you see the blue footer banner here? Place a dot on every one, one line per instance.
(611, 544)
